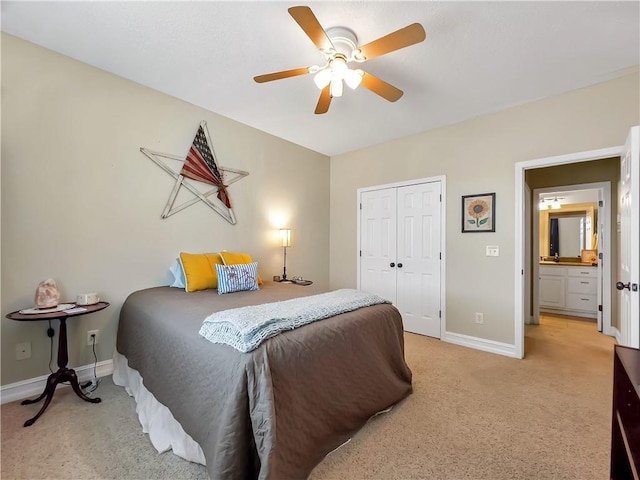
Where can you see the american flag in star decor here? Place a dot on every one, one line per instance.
(200, 165)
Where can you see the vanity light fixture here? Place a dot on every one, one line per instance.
(549, 203)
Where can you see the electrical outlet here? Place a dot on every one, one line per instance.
(23, 351)
(91, 341)
(480, 318)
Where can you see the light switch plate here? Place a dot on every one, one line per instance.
(493, 251)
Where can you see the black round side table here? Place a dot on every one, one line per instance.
(63, 374)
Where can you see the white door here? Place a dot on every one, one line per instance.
(629, 265)
(418, 260)
(378, 214)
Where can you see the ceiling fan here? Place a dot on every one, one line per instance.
(339, 47)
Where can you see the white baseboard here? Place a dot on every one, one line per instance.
(616, 333)
(483, 344)
(35, 386)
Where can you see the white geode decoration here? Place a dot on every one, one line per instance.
(47, 294)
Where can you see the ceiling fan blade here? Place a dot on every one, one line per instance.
(324, 101)
(382, 88)
(309, 23)
(278, 75)
(404, 37)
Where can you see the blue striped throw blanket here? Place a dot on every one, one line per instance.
(245, 328)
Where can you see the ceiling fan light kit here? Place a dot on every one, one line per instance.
(339, 45)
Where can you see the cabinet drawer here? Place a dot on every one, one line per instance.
(582, 285)
(589, 272)
(551, 271)
(581, 301)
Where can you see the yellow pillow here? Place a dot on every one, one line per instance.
(231, 258)
(200, 270)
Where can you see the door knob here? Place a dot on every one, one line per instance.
(399, 265)
(392, 264)
(622, 286)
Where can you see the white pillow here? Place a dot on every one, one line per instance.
(178, 274)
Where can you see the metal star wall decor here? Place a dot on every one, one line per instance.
(199, 165)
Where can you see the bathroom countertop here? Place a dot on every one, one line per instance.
(569, 264)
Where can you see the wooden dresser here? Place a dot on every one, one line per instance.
(625, 430)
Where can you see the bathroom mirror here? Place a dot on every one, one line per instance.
(569, 234)
(568, 230)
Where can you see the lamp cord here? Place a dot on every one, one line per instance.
(92, 386)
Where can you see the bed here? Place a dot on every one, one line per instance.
(274, 412)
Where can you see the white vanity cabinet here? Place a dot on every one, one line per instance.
(569, 290)
(552, 286)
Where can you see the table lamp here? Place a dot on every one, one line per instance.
(285, 241)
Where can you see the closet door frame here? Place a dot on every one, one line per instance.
(443, 191)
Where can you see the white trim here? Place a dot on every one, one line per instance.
(443, 235)
(573, 313)
(520, 260)
(483, 344)
(616, 333)
(417, 181)
(35, 386)
(443, 249)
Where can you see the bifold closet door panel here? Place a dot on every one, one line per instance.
(418, 253)
(378, 217)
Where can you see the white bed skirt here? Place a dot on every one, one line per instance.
(164, 430)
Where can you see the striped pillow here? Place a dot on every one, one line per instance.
(236, 278)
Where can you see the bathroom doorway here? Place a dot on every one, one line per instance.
(571, 252)
(572, 169)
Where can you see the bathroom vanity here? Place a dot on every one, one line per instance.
(568, 288)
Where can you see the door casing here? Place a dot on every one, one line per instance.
(521, 262)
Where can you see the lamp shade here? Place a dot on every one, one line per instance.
(322, 78)
(285, 237)
(353, 78)
(336, 87)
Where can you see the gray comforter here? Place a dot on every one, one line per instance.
(275, 412)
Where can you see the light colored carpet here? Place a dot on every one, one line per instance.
(473, 415)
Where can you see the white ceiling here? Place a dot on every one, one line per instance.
(478, 57)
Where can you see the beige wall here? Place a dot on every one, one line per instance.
(478, 156)
(81, 204)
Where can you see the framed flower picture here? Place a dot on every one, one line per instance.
(479, 213)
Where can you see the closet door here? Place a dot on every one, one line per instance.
(378, 242)
(418, 258)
